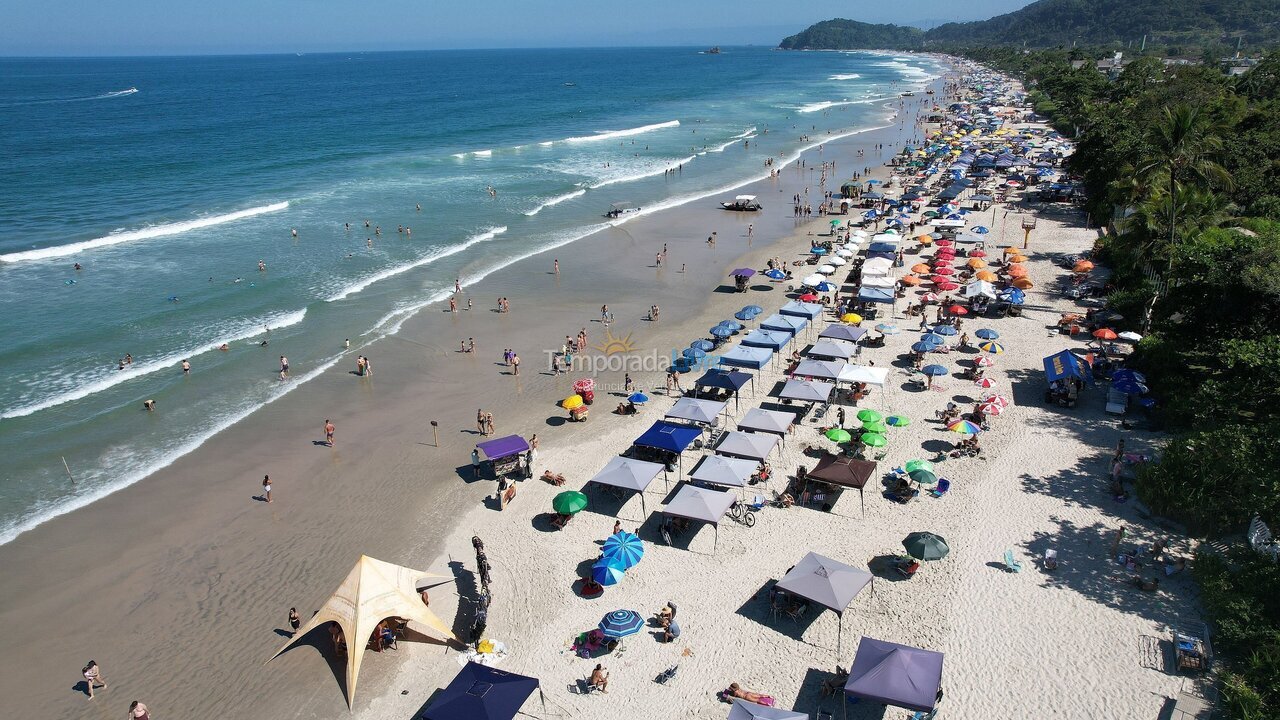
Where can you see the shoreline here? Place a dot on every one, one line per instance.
(184, 539)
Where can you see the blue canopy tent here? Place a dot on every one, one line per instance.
(784, 323)
(875, 295)
(795, 308)
(894, 674)
(730, 381)
(748, 357)
(1066, 365)
(772, 339)
(671, 438)
(480, 692)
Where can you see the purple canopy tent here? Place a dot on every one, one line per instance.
(894, 674)
(504, 453)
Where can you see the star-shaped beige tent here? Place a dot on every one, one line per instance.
(372, 592)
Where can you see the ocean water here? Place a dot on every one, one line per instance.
(169, 179)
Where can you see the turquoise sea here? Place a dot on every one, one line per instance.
(169, 179)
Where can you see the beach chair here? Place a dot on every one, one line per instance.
(666, 675)
(1011, 563)
(941, 489)
(1050, 561)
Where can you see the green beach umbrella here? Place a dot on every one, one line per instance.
(839, 435)
(897, 421)
(924, 477)
(874, 439)
(925, 546)
(869, 415)
(875, 427)
(569, 502)
(913, 465)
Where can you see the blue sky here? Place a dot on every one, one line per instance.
(180, 27)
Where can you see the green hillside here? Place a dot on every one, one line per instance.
(841, 34)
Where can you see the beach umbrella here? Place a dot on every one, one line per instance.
(703, 345)
(925, 546)
(933, 339)
(875, 427)
(923, 477)
(812, 280)
(887, 329)
(1017, 272)
(897, 421)
(838, 435)
(990, 409)
(918, 465)
(868, 415)
(569, 502)
(607, 571)
(986, 334)
(920, 268)
(923, 347)
(1129, 336)
(851, 318)
(807, 297)
(992, 347)
(911, 280)
(874, 439)
(945, 286)
(621, 623)
(1000, 400)
(980, 229)
(958, 310)
(754, 309)
(818, 251)
(946, 243)
(744, 315)
(929, 297)
(625, 547)
(986, 383)
(1023, 283)
(1018, 258)
(824, 287)
(934, 370)
(694, 353)
(720, 331)
(834, 223)
(837, 261)
(945, 330)
(571, 402)
(943, 270)
(964, 427)
(1105, 334)
(638, 398)
(743, 272)
(976, 263)
(1082, 266)
(775, 274)
(977, 254)
(986, 276)
(731, 324)
(845, 253)
(826, 269)
(983, 361)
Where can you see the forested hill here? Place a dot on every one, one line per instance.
(840, 34)
(1051, 23)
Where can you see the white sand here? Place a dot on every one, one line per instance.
(1077, 642)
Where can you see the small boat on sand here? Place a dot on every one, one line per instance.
(619, 209)
(742, 203)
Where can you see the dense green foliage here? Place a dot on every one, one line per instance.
(840, 34)
(1169, 27)
(1183, 162)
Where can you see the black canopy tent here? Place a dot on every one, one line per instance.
(730, 381)
(845, 472)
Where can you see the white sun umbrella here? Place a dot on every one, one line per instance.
(860, 233)
(845, 253)
(826, 269)
(813, 280)
(837, 261)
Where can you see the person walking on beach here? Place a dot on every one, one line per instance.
(295, 621)
(138, 711)
(453, 305)
(328, 432)
(515, 364)
(480, 420)
(266, 488)
(556, 265)
(284, 367)
(93, 676)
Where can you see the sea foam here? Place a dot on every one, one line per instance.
(615, 134)
(360, 285)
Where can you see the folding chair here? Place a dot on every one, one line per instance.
(1011, 563)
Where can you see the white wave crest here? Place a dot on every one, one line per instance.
(614, 134)
(845, 76)
(146, 233)
(106, 380)
(556, 201)
(360, 285)
(642, 175)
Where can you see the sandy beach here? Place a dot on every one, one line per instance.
(179, 585)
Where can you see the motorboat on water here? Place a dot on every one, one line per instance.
(619, 209)
(714, 51)
(744, 203)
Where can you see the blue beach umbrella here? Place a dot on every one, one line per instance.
(703, 345)
(992, 347)
(923, 347)
(638, 398)
(744, 315)
(625, 547)
(606, 571)
(987, 334)
(873, 182)
(886, 329)
(775, 274)
(945, 330)
(934, 370)
(733, 325)
(933, 339)
(694, 353)
(621, 623)
(825, 287)
(981, 230)
(753, 309)
(720, 331)
(818, 250)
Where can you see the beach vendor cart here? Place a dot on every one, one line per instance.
(504, 454)
(1066, 374)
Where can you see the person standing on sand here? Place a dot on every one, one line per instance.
(266, 488)
(295, 621)
(515, 364)
(480, 420)
(138, 711)
(328, 432)
(453, 305)
(556, 265)
(475, 461)
(93, 676)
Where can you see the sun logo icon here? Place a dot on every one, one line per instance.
(615, 345)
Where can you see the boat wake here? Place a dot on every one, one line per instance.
(87, 98)
(146, 233)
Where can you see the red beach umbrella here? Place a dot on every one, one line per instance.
(808, 297)
(1105, 334)
(946, 286)
(958, 310)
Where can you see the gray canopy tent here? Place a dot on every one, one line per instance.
(743, 710)
(836, 349)
(701, 505)
(807, 390)
(894, 674)
(747, 445)
(698, 411)
(769, 421)
(821, 369)
(842, 332)
(723, 471)
(830, 583)
(629, 474)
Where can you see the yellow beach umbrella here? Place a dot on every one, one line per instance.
(851, 318)
(571, 402)
(1023, 283)
(986, 276)
(976, 263)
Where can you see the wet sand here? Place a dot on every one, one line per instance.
(179, 586)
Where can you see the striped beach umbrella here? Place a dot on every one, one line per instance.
(621, 623)
(992, 347)
(964, 427)
(606, 571)
(624, 547)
